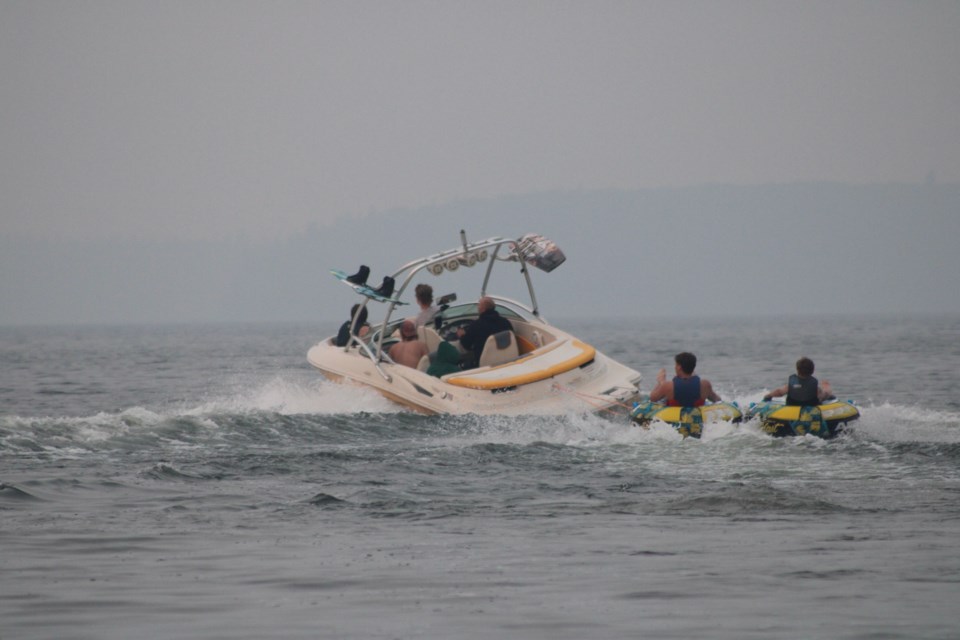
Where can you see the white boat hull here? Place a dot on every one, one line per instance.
(601, 384)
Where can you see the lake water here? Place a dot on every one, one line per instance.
(204, 482)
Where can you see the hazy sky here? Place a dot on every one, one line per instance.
(209, 119)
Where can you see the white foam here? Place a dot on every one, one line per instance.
(66, 434)
(280, 394)
(287, 396)
(898, 423)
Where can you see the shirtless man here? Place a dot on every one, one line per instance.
(686, 389)
(409, 350)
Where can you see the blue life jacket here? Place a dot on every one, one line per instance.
(686, 392)
(802, 391)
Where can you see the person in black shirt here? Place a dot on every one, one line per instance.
(802, 389)
(362, 328)
(475, 335)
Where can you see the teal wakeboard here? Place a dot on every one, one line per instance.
(362, 289)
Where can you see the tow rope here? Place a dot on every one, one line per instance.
(589, 399)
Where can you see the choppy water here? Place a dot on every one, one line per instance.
(203, 482)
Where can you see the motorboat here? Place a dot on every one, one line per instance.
(537, 368)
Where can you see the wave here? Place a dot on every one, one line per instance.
(285, 396)
(896, 423)
(286, 409)
(247, 408)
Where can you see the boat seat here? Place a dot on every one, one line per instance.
(424, 363)
(525, 345)
(499, 348)
(429, 336)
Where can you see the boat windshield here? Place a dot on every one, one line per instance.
(470, 311)
(451, 317)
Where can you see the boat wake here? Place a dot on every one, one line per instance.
(249, 406)
(286, 395)
(289, 408)
(897, 423)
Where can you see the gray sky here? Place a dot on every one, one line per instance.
(199, 120)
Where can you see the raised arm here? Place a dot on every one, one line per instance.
(824, 391)
(661, 389)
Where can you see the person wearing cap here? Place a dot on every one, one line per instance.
(409, 350)
(474, 336)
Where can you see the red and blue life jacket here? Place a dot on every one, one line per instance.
(686, 392)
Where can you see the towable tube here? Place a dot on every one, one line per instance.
(687, 420)
(824, 421)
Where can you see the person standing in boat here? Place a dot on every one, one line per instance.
(802, 389)
(428, 310)
(488, 322)
(686, 389)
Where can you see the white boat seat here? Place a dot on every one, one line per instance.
(424, 363)
(499, 348)
(429, 336)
